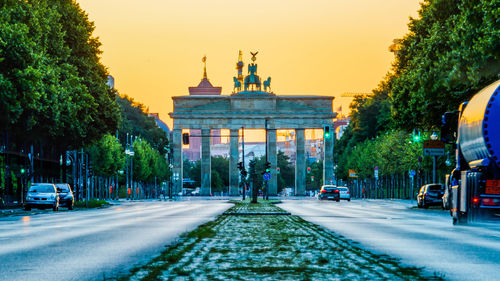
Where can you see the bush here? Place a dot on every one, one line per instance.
(94, 203)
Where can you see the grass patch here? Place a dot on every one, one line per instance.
(270, 247)
(94, 203)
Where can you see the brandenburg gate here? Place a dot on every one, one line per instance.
(250, 107)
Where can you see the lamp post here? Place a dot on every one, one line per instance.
(169, 158)
(129, 151)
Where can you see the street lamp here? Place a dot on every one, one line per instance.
(434, 136)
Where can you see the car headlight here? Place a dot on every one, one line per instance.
(52, 197)
(28, 197)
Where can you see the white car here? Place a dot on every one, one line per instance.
(345, 194)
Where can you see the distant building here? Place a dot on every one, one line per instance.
(204, 88)
(339, 126)
(111, 82)
(160, 123)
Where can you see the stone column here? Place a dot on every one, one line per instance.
(328, 159)
(233, 162)
(300, 162)
(273, 159)
(205, 163)
(177, 161)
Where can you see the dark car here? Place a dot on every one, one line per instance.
(42, 196)
(430, 194)
(66, 198)
(329, 192)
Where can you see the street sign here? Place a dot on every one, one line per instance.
(433, 144)
(434, 148)
(353, 173)
(434, 151)
(376, 172)
(267, 176)
(412, 173)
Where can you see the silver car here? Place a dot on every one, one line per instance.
(42, 196)
(345, 194)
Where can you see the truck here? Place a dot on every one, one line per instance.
(474, 132)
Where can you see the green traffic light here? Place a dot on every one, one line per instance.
(22, 170)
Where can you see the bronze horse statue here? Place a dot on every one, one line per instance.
(237, 84)
(267, 84)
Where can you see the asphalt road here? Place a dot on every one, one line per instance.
(422, 238)
(95, 244)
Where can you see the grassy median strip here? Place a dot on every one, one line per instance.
(271, 247)
(93, 203)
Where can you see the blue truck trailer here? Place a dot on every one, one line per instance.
(474, 130)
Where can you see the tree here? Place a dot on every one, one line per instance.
(286, 177)
(451, 52)
(44, 93)
(107, 156)
(136, 122)
(219, 173)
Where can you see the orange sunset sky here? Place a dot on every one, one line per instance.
(153, 48)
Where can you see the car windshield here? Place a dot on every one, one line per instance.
(343, 188)
(434, 188)
(62, 187)
(42, 188)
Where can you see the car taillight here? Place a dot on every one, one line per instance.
(347, 192)
(323, 191)
(336, 191)
(475, 200)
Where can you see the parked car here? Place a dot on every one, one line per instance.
(329, 192)
(344, 193)
(66, 198)
(42, 196)
(430, 194)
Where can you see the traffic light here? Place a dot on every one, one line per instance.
(268, 167)
(277, 170)
(23, 170)
(240, 166)
(308, 170)
(185, 138)
(416, 136)
(326, 131)
(312, 178)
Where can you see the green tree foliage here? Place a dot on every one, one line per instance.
(136, 122)
(451, 51)
(219, 173)
(286, 177)
(107, 156)
(52, 85)
(148, 162)
(316, 173)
